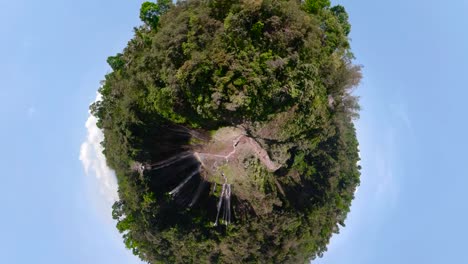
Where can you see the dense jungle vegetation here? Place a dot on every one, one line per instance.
(282, 72)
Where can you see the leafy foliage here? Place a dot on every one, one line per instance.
(278, 68)
(314, 6)
(150, 12)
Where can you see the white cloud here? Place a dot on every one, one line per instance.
(94, 161)
(102, 191)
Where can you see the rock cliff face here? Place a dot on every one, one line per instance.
(218, 121)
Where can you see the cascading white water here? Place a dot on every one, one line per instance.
(185, 131)
(225, 197)
(228, 204)
(200, 188)
(170, 161)
(220, 203)
(177, 189)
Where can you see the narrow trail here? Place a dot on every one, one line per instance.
(253, 145)
(241, 140)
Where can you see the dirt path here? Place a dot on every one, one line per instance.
(246, 142)
(263, 155)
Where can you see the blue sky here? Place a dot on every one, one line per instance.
(410, 207)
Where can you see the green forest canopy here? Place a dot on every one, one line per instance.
(269, 81)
